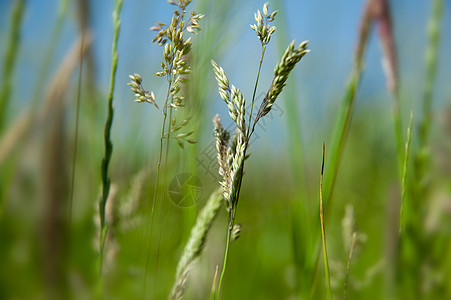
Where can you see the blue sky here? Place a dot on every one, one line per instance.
(329, 25)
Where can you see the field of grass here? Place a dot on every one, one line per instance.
(321, 169)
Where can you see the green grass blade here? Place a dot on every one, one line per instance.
(323, 230)
(10, 59)
(107, 133)
(404, 172)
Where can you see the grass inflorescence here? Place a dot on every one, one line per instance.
(240, 228)
(232, 154)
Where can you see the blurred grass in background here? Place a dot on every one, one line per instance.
(47, 254)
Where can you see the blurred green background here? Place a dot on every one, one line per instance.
(48, 208)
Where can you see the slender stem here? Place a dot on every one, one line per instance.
(398, 129)
(255, 91)
(74, 154)
(247, 136)
(323, 231)
(226, 253)
(404, 172)
(165, 169)
(157, 183)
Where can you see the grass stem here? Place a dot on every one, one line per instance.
(404, 172)
(226, 253)
(255, 90)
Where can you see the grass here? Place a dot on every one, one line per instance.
(106, 182)
(383, 197)
(10, 59)
(323, 229)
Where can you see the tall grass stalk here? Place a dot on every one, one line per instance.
(323, 230)
(345, 113)
(231, 157)
(106, 182)
(196, 242)
(404, 173)
(232, 214)
(77, 121)
(175, 69)
(10, 59)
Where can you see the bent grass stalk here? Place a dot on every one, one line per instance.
(107, 135)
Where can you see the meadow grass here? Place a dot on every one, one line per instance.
(231, 158)
(392, 209)
(175, 68)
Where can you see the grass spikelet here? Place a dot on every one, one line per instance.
(196, 242)
(232, 160)
(289, 59)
